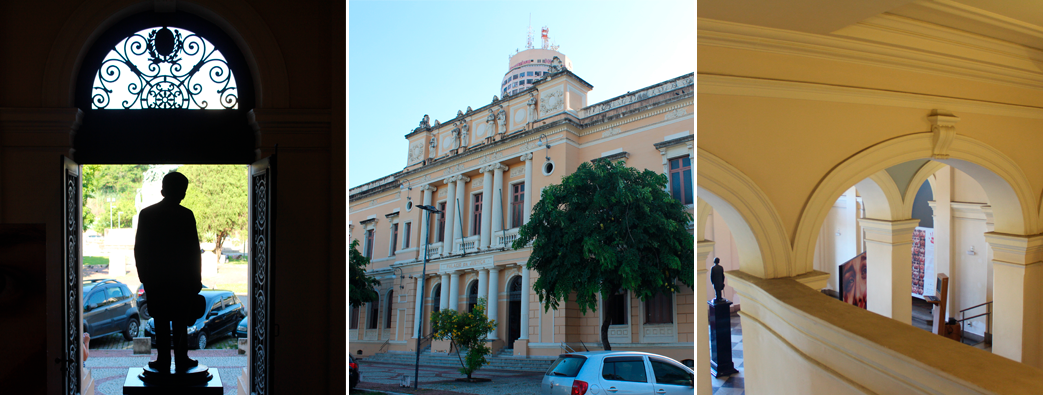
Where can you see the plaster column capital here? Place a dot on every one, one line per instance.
(498, 166)
(463, 178)
(526, 157)
(428, 187)
(449, 180)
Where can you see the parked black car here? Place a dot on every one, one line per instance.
(354, 375)
(240, 330)
(108, 307)
(224, 311)
(143, 302)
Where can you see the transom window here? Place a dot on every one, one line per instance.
(164, 68)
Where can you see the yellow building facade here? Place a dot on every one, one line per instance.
(818, 123)
(484, 169)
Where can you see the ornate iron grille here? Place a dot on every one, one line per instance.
(72, 280)
(164, 68)
(261, 285)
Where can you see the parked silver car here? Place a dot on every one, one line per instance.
(618, 373)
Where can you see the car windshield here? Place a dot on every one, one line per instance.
(567, 366)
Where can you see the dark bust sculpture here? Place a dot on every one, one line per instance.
(717, 277)
(167, 257)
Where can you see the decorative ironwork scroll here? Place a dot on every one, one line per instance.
(71, 233)
(166, 68)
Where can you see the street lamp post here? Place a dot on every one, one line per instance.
(419, 330)
(111, 204)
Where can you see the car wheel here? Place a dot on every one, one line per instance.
(132, 329)
(202, 341)
(143, 310)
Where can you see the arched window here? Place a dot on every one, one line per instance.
(371, 316)
(391, 295)
(164, 67)
(514, 289)
(436, 298)
(472, 296)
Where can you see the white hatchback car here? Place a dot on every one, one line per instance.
(617, 373)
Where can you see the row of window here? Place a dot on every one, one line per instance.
(522, 75)
(680, 189)
(658, 309)
(516, 218)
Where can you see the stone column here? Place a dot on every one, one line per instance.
(529, 189)
(458, 218)
(483, 283)
(702, 323)
(1017, 266)
(525, 303)
(425, 218)
(494, 292)
(454, 290)
(443, 300)
(450, 216)
(418, 309)
(497, 197)
(889, 258)
(487, 200)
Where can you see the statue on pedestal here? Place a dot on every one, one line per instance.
(717, 277)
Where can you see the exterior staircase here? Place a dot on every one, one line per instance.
(500, 361)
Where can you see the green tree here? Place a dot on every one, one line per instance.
(468, 331)
(606, 228)
(360, 287)
(104, 182)
(217, 195)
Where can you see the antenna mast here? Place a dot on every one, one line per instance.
(544, 36)
(528, 44)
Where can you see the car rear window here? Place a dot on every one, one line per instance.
(668, 373)
(566, 366)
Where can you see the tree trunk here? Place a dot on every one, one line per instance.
(608, 321)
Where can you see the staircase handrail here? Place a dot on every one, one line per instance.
(976, 306)
(384, 346)
(988, 320)
(566, 349)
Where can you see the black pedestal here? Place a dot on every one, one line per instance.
(177, 383)
(721, 338)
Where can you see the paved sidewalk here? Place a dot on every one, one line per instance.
(440, 380)
(109, 367)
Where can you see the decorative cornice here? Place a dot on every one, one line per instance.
(639, 95)
(673, 142)
(614, 157)
(967, 210)
(1015, 249)
(759, 87)
(890, 232)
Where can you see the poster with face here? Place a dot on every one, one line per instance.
(923, 262)
(853, 281)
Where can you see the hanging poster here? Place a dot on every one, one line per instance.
(853, 280)
(923, 273)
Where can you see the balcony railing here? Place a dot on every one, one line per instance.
(505, 238)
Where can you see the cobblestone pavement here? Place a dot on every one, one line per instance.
(439, 380)
(109, 367)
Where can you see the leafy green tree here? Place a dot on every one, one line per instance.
(468, 331)
(606, 228)
(217, 195)
(104, 182)
(360, 287)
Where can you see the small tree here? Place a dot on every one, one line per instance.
(360, 286)
(468, 331)
(217, 195)
(608, 227)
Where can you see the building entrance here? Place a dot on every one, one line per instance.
(514, 296)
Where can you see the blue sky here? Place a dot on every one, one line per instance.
(410, 58)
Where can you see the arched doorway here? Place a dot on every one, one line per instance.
(472, 295)
(169, 125)
(514, 296)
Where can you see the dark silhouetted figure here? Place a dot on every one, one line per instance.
(166, 249)
(716, 277)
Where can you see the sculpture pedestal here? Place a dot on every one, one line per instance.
(197, 381)
(721, 338)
